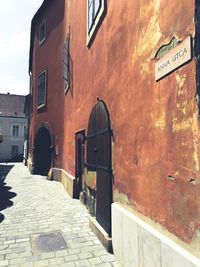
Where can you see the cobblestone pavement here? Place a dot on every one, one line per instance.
(40, 207)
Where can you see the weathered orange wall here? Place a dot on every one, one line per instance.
(156, 128)
(155, 123)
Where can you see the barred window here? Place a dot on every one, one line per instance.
(42, 32)
(66, 64)
(42, 89)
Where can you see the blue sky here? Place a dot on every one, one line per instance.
(15, 22)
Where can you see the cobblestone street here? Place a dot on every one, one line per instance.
(32, 206)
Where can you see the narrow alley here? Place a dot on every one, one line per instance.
(40, 225)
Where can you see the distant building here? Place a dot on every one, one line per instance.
(13, 125)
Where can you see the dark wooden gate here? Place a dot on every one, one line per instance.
(99, 160)
(42, 152)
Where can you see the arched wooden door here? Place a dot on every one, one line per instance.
(99, 159)
(42, 152)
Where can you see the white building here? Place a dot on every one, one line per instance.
(13, 125)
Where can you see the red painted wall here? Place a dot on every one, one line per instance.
(156, 129)
(49, 56)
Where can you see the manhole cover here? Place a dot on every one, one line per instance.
(49, 242)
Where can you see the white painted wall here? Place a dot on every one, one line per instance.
(6, 124)
(137, 244)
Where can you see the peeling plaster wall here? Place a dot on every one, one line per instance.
(49, 56)
(156, 128)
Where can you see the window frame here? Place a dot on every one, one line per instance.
(43, 23)
(13, 132)
(96, 20)
(41, 105)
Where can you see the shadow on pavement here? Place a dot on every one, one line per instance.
(5, 194)
(1, 217)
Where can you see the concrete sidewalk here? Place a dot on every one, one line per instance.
(43, 226)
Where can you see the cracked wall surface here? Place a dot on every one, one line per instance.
(156, 125)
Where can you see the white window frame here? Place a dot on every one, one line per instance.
(43, 23)
(100, 13)
(12, 128)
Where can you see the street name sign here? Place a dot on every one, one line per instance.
(174, 59)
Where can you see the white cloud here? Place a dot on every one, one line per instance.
(19, 42)
(14, 44)
(19, 88)
(2, 45)
(3, 56)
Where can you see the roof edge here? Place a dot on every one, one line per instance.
(32, 33)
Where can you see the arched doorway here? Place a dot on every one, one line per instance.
(99, 159)
(42, 151)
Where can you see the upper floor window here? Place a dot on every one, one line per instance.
(66, 64)
(42, 89)
(15, 130)
(93, 9)
(95, 12)
(42, 32)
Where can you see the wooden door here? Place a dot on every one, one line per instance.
(99, 156)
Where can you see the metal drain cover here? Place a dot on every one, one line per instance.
(49, 242)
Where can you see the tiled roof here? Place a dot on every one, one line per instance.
(12, 105)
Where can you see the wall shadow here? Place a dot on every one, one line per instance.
(1, 217)
(5, 194)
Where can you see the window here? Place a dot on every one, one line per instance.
(42, 32)
(95, 12)
(66, 64)
(15, 130)
(42, 89)
(93, 9)
(14, 150)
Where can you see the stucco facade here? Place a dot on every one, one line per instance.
(13, 125)
(155, 124)
(6, 125)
